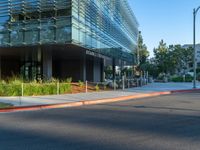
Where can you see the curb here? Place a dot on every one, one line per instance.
(93, 102)
(185, 91)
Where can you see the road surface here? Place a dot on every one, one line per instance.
(159, 123)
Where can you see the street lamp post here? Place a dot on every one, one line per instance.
(194, 45)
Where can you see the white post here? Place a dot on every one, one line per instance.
(145, 75)
(141, 79)
(86, 86)
(123, 82)
(128, 83)
(137, 82)
(22, 86)
(114, 85)
(58, 88)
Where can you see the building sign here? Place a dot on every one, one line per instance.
(91, 53)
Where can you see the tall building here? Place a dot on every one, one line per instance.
(65, 38)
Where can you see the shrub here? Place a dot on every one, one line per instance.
(97, 87)
(13, 87)
(10, 88)
(65, 88)
(2, 89)
(49, 89)
(161, 76)
(188, 78)
(177, 79)
(33, 89)
(105, 87)
(67, 80)
(80, 84)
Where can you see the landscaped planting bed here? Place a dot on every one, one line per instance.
(17, 87)
(5, 105)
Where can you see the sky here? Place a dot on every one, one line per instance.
(170, 20)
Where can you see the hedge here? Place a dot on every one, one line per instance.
(14, 88)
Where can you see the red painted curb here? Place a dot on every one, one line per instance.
(185, 91)
(92, 102)
(40, 107)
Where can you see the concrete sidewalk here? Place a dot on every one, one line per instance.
(69, 98)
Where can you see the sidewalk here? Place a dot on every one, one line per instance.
(69, 98)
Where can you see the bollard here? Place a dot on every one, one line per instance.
(22, 89)
(86, 86)
(58, 88)
(128, 83)
(140, 82)
(114, 85)
(123, 82)
(22, 94)
(20, 100)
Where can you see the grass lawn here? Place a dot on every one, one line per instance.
(4, 105)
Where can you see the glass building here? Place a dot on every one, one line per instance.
(65, 38)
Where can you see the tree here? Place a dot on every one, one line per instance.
(162, 57)
(180, 57)
(174, 59)
(152, 68)
(142, 53)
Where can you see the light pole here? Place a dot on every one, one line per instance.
(195, 11)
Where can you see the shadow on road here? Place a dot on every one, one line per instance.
(99, 127)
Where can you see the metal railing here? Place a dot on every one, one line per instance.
(57, 88)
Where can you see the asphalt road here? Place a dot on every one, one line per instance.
(161, 123)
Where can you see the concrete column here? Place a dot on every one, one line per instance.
(113, 68)
(39, 65)
(103, 76)
(121, 68)
(47, 64)
(97, 70)
(83, 67)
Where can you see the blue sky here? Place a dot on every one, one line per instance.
(171, 20)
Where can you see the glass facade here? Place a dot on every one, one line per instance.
(108, 27)
(33, 22)
(105, 26)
